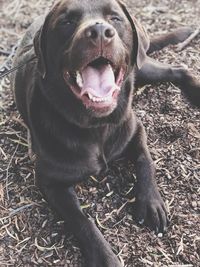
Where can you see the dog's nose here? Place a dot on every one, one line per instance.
(100, 33)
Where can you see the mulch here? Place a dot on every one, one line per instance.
(32, 235)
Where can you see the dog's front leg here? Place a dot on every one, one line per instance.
(150, 208)
(64, 201)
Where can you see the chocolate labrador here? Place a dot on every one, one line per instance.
(75, 97)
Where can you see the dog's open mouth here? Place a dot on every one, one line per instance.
(97, 84)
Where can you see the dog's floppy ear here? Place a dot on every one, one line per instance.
(40, 44)
(39, 41)
(140, 38)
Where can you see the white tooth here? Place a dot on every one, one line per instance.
(79, 79)
(90, 96)
(98, 99)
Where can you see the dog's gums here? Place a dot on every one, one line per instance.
(98, 84)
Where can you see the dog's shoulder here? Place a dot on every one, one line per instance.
(23, 78)
(25, 47)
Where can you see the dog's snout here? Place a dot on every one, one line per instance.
(100, 33)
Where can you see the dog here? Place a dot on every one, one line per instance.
(75, 96)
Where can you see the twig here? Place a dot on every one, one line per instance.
(182, 45)
(15, 211)
(12, 53)
(4, 52)
(7, 170)
(9, 32)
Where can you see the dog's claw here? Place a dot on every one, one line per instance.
(160, 235)
(141, 221)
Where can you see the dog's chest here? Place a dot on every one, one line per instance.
(101, 146)
(113, 141)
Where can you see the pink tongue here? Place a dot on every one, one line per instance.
(99, 82)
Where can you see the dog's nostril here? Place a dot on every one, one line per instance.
(109, 33)
(92, 33)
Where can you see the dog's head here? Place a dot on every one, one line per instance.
(92, 46)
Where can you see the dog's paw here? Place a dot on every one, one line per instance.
(192, 91)
(150, 210)
(189, 84)
(97, 251)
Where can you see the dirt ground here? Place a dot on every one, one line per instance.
(32, 235)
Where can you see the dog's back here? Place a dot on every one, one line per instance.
(25, 58)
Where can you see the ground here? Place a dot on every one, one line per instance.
(32, 235)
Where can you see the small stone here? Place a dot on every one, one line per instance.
(194, 204)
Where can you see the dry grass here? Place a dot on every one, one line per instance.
(31, 235)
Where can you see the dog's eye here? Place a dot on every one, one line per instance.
(115, 19)
(69, 22)
(66, 22)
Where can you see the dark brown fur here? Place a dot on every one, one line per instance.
(72, 141)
